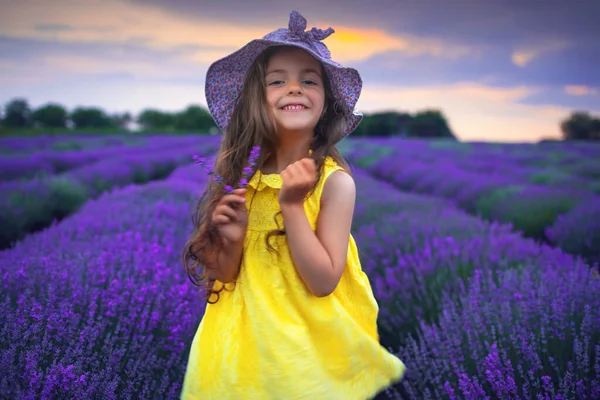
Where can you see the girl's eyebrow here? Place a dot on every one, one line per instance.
(304, 71)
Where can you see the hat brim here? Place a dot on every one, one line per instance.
(225, 79)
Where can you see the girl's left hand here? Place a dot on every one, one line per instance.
(298, 179)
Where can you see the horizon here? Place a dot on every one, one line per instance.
(499, 71)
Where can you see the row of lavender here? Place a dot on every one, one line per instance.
(99, 306)
(476, 310)
(498, 182)
(62, 155)
(27, 205)
(27, 144)
(555, 163)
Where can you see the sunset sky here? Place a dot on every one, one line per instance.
(499, 70)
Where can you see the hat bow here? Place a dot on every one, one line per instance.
(297, 26)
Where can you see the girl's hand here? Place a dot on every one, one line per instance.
(231, 216)
(298, 179)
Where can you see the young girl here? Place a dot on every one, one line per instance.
(291, 314)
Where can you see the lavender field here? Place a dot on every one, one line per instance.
(47, 183)
(548, 191)
(480, 255)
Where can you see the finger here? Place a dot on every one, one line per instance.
(221, 220)
(309, 165)
(307, 161)
(240, 191)
(292, 171)
(232, 198)
(285, 174)
(304, 173)
(227, 211)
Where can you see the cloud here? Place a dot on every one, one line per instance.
(492, 83)
(351, 44)
(117, 21)
(33, 62)
(15, 74)
(580, 90)
(97, 66)
(52, 28)
(490, 22)
(524, 56)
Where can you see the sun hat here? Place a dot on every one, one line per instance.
(225, 77)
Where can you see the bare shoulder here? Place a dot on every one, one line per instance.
(339, 187)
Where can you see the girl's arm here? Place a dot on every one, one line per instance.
(320, 257)
(231, 217)
(226, 265)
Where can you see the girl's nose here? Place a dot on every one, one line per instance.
(294, 89)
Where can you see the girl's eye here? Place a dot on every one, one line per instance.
(308, 82)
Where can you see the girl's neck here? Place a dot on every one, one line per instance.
(285, 154)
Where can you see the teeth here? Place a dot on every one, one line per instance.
(294, 107)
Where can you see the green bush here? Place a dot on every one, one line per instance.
(529, 209)
(66, 196)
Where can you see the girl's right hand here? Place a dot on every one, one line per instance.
(231, 217)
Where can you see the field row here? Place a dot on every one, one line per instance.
(100, 306)
(494, 187)
(27, 145)
(54, 161)
(28, 205)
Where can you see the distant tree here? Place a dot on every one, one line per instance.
(548, 140)
(580, 125)
(387, 123)
(90, 117)
(50, 115)
(429, 124)
(121, 121)
(17, 114)
(595, 129)
(194, 118)
(151, 119)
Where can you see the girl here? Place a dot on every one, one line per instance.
(291, 315)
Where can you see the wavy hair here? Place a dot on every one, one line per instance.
(251, 124)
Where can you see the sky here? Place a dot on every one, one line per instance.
(499, 70)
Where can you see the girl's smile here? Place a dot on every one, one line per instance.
(294, 107)
(295, 92)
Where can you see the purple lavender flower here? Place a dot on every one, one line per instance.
(113, 309)
(490, 180)
(28, 205)
(578, 231)
(247, 171)
(512, 334)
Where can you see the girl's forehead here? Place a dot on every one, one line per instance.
(293, 61)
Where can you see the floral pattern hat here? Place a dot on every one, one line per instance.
(225, 77)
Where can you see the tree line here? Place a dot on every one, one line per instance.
(581, 126)
(18, 115)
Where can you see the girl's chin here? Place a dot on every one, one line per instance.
(295, 128)
(296, 123)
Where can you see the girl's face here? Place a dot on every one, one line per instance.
(295, 91)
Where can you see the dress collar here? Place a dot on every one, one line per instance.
(259, 180)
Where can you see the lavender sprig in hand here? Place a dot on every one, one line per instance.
(247, 172)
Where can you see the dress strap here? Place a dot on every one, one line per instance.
(330, 166)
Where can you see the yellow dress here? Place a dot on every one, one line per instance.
(268, 337)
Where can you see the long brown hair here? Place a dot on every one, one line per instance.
(251, 125)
